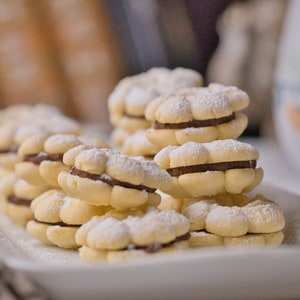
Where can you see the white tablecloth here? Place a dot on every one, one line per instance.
(277, 169)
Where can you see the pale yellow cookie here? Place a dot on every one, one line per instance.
(55, 146)
(200, 239)
(8, 148)
(238, 218)
(205, 169)
(169, 202)
(128, 101)
(197, 114)
(113, 240)
(42, 156)
(7, 184)
(118, 136)
(22, 121)
(106, 177)
(57, 218)
(138, 144)
(28, 167)
(19, 201)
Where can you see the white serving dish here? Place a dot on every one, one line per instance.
(211, 273)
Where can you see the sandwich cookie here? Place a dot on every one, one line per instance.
(19, 201)
(24, 121)
(139, 145)
(205, 169)
(113, 240)
(107, 177)
(57, 218)
(197, 114)
(128, 101)
(234, 220)
(42, 156)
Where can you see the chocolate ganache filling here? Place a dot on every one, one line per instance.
(220, 166)
(157, 246)
(12, 149)
(38, 158)
(110, 181)
(195, 123)
(56, 224)
(18, 201)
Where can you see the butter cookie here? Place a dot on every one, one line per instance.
(110, 239)
(205, 169)
(197, 114)
(107, 177)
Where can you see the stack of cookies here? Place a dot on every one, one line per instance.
(193, 136)
(128, 101)
(101, 184)
(17, 124)
(177, 179)
(41, 160)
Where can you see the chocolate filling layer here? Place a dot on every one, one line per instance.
(12, 149)
(57, 223)
(38, 158)
(156, 246)
(195, 123)
(110, 181)
(221, 166)
(18, 201)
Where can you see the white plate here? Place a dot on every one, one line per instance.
(194, 274)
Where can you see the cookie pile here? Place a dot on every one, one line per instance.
(112, 239)
(41, 161)
(193, 136)
(17, 124)
(128, 102)
(177, 178)
(86, 181)
(57, 217)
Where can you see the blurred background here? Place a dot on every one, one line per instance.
(71, 53)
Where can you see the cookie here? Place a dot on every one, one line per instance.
(128, 101)
(21, 122)
(205, 169)
(19, 201)
(42, 156)
(6, 189)
(169, 202)
(110, 239)
(54, 148)
(118, 136)
(234, 216)
(200, 239)
(138, 144)
(28, 167)
(57, 218)
(107, 177)
(197, 114)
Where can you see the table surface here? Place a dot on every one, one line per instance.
(277, 169)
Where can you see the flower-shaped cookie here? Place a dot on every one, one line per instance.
(22, 121)
(197, 114)
(128, 101)
(106, 177)
(57, 218)
(210, 168)
(138, 144)
(110, 239)
(42, 156)
(230, 220)
(16, 196)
